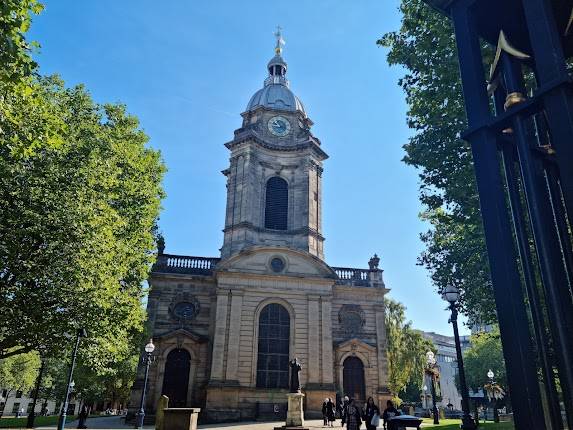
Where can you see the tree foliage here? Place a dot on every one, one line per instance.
(455, 247)
(406, 349)
(484, 353)
(18, 373)
(76, 229)
(15, 20)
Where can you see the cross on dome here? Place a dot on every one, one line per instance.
(280, 41)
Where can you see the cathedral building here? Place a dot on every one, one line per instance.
(225, 328)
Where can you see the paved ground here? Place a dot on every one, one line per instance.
(116, 423)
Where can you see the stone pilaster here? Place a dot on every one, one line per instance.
(313, 340)
(220, 338)
(327, 353)
(234, 335)
(381, 351)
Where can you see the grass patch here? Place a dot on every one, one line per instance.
(20, 423)
(455, 425)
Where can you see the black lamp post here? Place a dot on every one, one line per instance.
(147, 359)
(32, 414)
(62, 422)
(451, 295)
(431, 362)
(494, 394)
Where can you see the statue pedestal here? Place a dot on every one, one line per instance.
(295, 413)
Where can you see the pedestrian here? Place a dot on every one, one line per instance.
(353, 421)
(82, 418)
(343, 407)
(371, 414)
(330, 412)
(324, 413)
(389, 412)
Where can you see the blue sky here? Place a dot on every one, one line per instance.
(188, 68)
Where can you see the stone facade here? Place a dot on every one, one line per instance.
(205, 313)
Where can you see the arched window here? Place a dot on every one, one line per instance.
(273, 357)
(276, 206)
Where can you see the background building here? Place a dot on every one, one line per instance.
(447, 361)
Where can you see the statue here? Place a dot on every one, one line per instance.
(295, 367)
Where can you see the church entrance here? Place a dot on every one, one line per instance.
(176, 377)
(353, 379)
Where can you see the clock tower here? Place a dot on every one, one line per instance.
(274, 180)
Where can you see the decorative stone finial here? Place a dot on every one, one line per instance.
(373, 262)
(160, 244)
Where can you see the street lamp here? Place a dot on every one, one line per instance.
(431, 361)
(147, 359)
(425, 388)
(452, 295)
(494, 393)
(62, 422)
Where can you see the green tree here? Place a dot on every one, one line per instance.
(15, 20)
(484, 353)
(77, 224)
(18, 373)
(406, 349)
(455, 247)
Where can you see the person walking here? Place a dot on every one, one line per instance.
(330, 412)
(353, 421)
(389, 412)
(324, 413)
(343, 407)
(370, 410)
(82, 418)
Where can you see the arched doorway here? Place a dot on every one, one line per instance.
(353, 378)
(176, 377)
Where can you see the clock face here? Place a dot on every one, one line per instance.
(279, 126)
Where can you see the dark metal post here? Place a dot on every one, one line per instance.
(62, 422)
(32, 414)
(141, 413)
(467, 422)
(507, 288)
(434, 406)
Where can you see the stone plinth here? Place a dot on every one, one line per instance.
(295, 413)
(180, 418)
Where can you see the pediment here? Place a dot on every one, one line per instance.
(262, 260)
(354, 344)
(179, 332)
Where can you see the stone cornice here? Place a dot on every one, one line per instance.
(248, 135)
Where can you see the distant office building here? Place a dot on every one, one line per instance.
(12, 402)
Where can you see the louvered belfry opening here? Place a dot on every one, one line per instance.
(276, 206)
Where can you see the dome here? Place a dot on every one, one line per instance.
(276, 96)
(276, 93)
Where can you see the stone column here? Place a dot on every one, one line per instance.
(234, 335)
(220, 337)
(327, 353)
(313, 340)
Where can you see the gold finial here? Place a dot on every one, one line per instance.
(504, 45)
(280, 41)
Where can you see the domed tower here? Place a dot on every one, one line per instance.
(274, 183)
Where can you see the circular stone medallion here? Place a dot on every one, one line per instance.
(277, 264)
